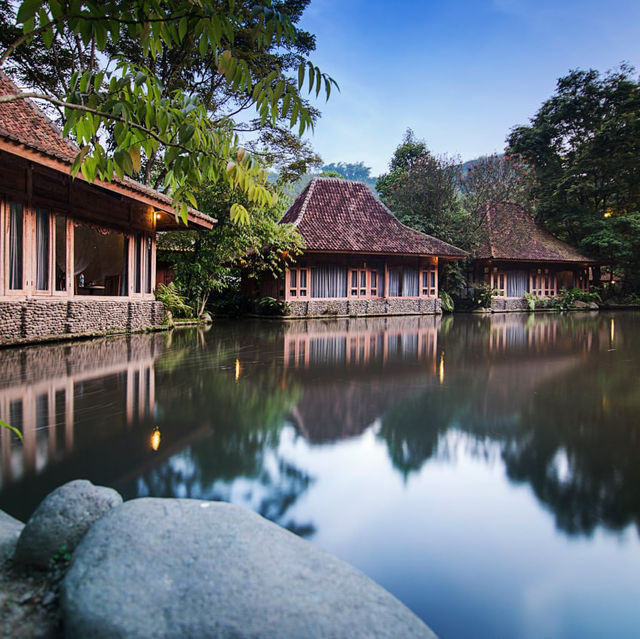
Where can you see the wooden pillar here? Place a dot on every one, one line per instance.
(386, 279)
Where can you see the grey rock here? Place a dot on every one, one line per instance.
(191, 569)
(62, 519)
(10, 530)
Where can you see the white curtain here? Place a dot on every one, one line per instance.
(517, 283)
(42, 249)
(15, 246)
(410, 282)
(329, 281)
(394, 281)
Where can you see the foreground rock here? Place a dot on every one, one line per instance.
(62, 519)
(10, 530)
(186, 568)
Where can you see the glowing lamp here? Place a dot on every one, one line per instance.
(155, 438)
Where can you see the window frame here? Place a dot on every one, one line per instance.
(295, 291)
(431, 274)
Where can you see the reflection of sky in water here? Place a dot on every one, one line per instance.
(485, 470)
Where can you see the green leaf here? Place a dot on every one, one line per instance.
(28, 10)
(182, 28)
(134, 154)
(13, 429)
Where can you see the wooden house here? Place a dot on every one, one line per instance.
(75, 257)
(515, 255)
(358, 259)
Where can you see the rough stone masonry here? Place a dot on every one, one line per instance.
(32, 320)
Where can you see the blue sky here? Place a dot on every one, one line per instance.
(460, 74)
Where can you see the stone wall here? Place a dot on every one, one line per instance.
(356, 307)
(32, 320)
(508, 304)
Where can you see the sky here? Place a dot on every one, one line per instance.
(460, 73)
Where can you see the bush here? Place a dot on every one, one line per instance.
(483, 295)
(566, 299)
(272, 306)
(446, 301)
(173, 301)
(531, 301)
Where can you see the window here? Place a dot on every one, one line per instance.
(543, 283)
(99, 268)
(16, 247)
(374, 284)
(429, 286)
(137, 262)
(363, 282)
(43, 237)
(500, 283)
(60, 258)
(298, 282)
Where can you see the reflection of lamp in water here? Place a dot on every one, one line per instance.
(613, 330)
(238, 369)
(441, 368)
(155, 438)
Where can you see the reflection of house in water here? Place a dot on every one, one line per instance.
(360, 341)
(352, 371)
(540, 334)
(53, 395)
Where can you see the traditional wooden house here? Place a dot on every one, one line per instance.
(75, 257)
(358, 258)
(516, 256)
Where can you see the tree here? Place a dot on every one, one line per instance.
(584, 143)
(160, 81)
(421, 189)
(490, 179)
(205, 262)
(352, 171)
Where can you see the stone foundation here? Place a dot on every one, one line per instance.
(360, 308)
(508, 304)
(32, 320)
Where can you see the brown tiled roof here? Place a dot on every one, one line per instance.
(342, 216)
(510, 233)
(22, 121)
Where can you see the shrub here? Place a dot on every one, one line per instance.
(272, 306)
(446, 301)
(531, 301)
(483, 295)
(173, 301)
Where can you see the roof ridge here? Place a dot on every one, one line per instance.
(388, 211)
(489, 228)
(305, 202)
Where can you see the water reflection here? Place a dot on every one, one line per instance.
(459, 461)
(546, 395)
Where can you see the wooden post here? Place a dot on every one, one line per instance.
(386, 279)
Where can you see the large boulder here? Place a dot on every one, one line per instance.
(187, 568)
(62, 519)
(10, 530)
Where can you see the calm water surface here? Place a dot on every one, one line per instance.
(485, 470)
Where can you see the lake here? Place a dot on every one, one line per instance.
(484, 469)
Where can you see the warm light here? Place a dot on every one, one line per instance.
(613, 330)
(441, 368)
(607, 214)
(157, 216)
(238, 369)
(155, 438)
